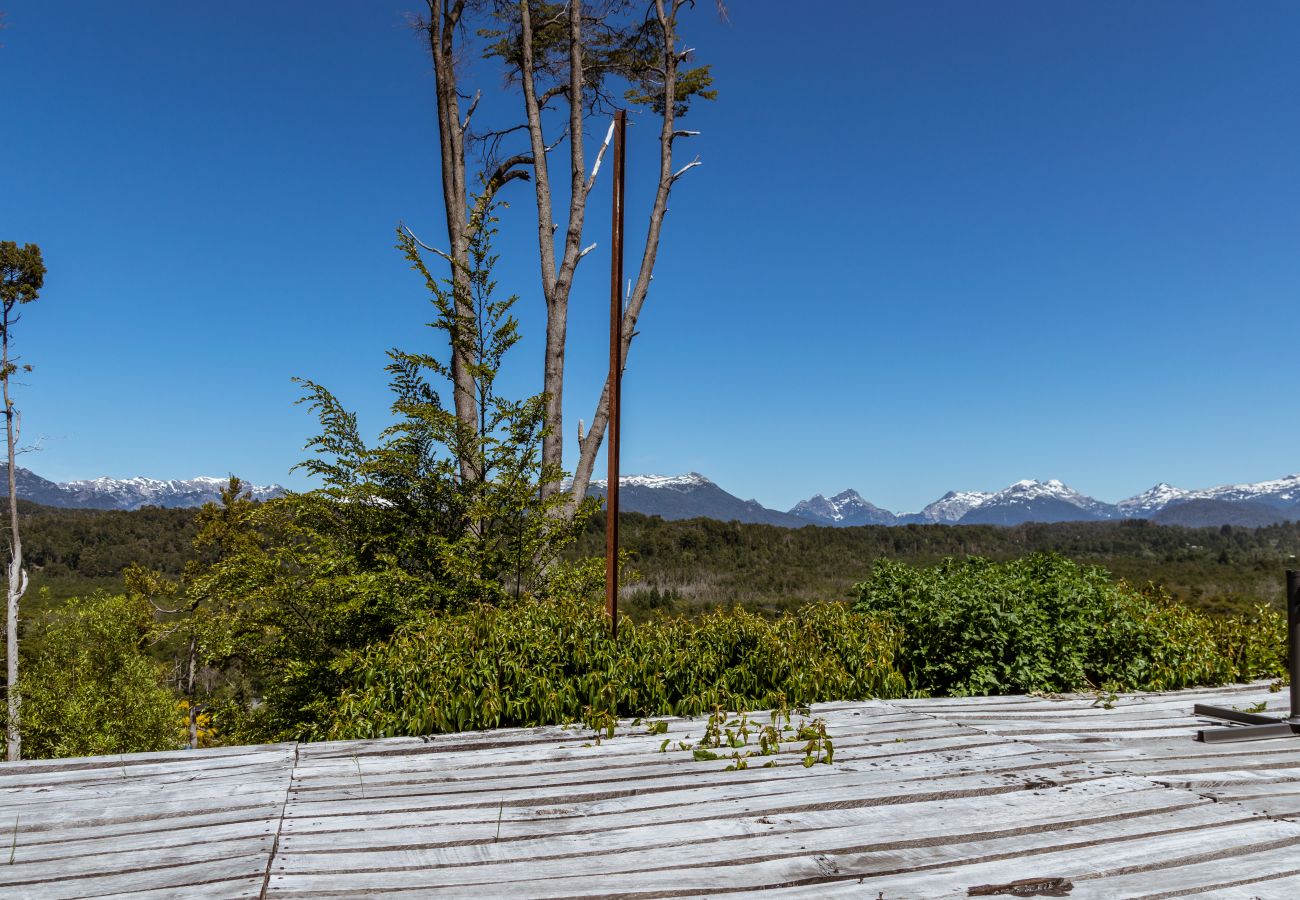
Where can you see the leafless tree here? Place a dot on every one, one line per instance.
(564, 57)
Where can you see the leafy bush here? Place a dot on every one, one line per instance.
(91, 689)
(537, 662)
(1043, 623)
(435, 515)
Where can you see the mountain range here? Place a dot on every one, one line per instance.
(1248, 505)
(127, 493)
(693, 496)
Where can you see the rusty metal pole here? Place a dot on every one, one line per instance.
(1293, 640)
(615, 375)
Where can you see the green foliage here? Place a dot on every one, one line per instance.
(552, 661)
(1043, 623)
(691, 83)
(630, 49)
(92, 688)
(438, 515)
(22, 273)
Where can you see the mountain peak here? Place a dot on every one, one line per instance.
(845, 508)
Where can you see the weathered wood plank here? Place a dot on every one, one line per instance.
(25, 871)
(227, 889)
(677, 767)
(760, 783)
(95, 843)
(179, 823)
(887, 751)
(728, 838)
(922, 870)
(188, 880)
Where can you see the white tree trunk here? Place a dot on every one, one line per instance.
(17, 575)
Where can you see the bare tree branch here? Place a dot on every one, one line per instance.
(600, 155)
(686, 168)
(412, 236)
(469, 114)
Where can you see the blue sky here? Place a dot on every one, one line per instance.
(932, 245)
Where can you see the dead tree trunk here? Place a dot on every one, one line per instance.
(666, 15)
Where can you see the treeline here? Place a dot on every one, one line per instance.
(74, 552)
(100, 543)
(702, 562)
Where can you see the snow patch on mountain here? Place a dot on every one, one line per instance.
(1277, 492)
(133, 493)
(949, 508)
(834, 509)
(1152, 500)
(670, 482)
(1028, 491)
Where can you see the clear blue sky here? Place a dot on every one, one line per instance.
(932, 245)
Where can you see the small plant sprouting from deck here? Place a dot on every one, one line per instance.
(361, 784)
(601, 721)
(501, 808)
(723, 732)
(13, 845)
(818, 747)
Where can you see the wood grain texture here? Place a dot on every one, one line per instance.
(927, 798)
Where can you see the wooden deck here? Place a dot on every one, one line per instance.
(927, 798)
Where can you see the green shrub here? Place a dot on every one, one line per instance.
(91, 689)
(1043, 623)
(538, 662)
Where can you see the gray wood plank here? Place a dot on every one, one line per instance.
(922, 870)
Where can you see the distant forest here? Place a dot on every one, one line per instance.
(702, 562)
(689, 565)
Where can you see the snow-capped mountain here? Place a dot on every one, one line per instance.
(948, 509)
(1038, 501)
(667, 482)
(1252, 505)
(1281, 493)
(1260, 503)
(1152, 500)
(845, 508)
(129, 493)
(690, 496)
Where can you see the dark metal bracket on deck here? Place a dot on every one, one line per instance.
(1252, 726)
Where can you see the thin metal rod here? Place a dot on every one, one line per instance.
(615, 374)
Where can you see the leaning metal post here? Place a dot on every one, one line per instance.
(1254, 727)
